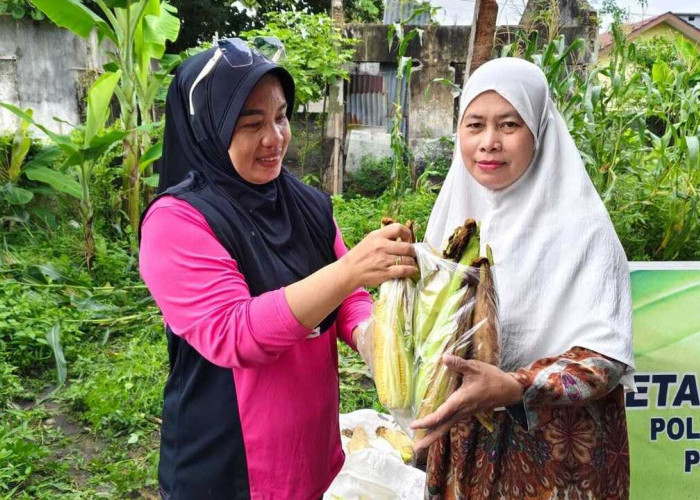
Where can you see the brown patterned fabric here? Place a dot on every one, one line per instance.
(573, 445)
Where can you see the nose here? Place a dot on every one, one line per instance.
(272, 136)
(490, 140)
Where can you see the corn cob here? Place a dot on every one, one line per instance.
(485, 346)
(433, 382)
(399, 440)
(359, 440)
(393, 346)
(391, 370)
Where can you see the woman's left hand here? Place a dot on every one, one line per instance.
(484, 387)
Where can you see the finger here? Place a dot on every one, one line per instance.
(402, 260)
(399, 248)
(402, 271)
(458, 364)
(396, 230)
(434, 435)
(444, 413)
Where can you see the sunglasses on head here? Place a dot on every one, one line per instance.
(238, 53)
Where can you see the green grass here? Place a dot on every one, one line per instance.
(96, 436)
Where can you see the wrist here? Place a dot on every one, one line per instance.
(513, 389)
(346, 277)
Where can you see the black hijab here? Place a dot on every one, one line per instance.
(279, 232)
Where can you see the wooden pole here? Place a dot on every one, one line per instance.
(481, 35)
(336, 104)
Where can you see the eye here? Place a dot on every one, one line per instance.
(474, 125)
(251, 124)
(510, 125)
(282, 118)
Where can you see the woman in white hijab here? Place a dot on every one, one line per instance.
(564, 305)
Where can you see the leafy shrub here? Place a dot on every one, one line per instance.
(23, 450)
(358, 216)
(370, 180)
(119, 389)
(10, 385)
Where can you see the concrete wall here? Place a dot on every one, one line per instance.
(43, 67)
(441, 52)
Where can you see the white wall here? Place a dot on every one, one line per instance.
(40, 68)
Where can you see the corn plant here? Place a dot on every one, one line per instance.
(401, 173)
(638, 131)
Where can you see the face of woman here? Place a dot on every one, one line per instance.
(262, 133)
(495, 143)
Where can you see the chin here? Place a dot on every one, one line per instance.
(266, 175)
(489, 181)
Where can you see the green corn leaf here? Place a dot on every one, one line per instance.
(53, 337)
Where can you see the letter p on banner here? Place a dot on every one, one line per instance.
(692, 459)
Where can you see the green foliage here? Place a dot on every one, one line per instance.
(315, 50)
(637, 130)
(401, 174)
(19, 9)
(651, 50)
(82, 151)
(10, 384)
(128, 470)
(132, 373)
(24, 159)
(139, 29)
(22, 451)
(27, 315)
(116, 360)
(363, 11)
(356, 384)
(370, 180)
(358, 216)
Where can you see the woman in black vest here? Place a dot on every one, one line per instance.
(255, 286)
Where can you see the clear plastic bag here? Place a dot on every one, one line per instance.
(451, 308)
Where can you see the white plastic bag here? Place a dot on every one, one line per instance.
(376, 472)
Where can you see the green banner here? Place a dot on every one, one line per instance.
(663, 417)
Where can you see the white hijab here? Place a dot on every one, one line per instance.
(560, 270)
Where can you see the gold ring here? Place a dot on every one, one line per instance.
(398, 260)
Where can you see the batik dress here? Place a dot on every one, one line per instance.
(567, 440)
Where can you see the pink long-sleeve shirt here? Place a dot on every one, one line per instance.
(286, 378)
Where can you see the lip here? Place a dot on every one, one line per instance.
(269, 161)
(490, 165)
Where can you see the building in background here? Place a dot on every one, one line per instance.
(668, 25)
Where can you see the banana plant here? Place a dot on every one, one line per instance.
(138, 31)
(82, 156)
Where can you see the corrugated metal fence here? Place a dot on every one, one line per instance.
(396, 11)
(370, 99)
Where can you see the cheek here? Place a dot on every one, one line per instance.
(468, 148)
(286, 134)
(524, 145)
(239, 151)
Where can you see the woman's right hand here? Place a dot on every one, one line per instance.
(380, 257)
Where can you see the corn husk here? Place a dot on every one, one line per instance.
(392, 360)
(451, 309)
